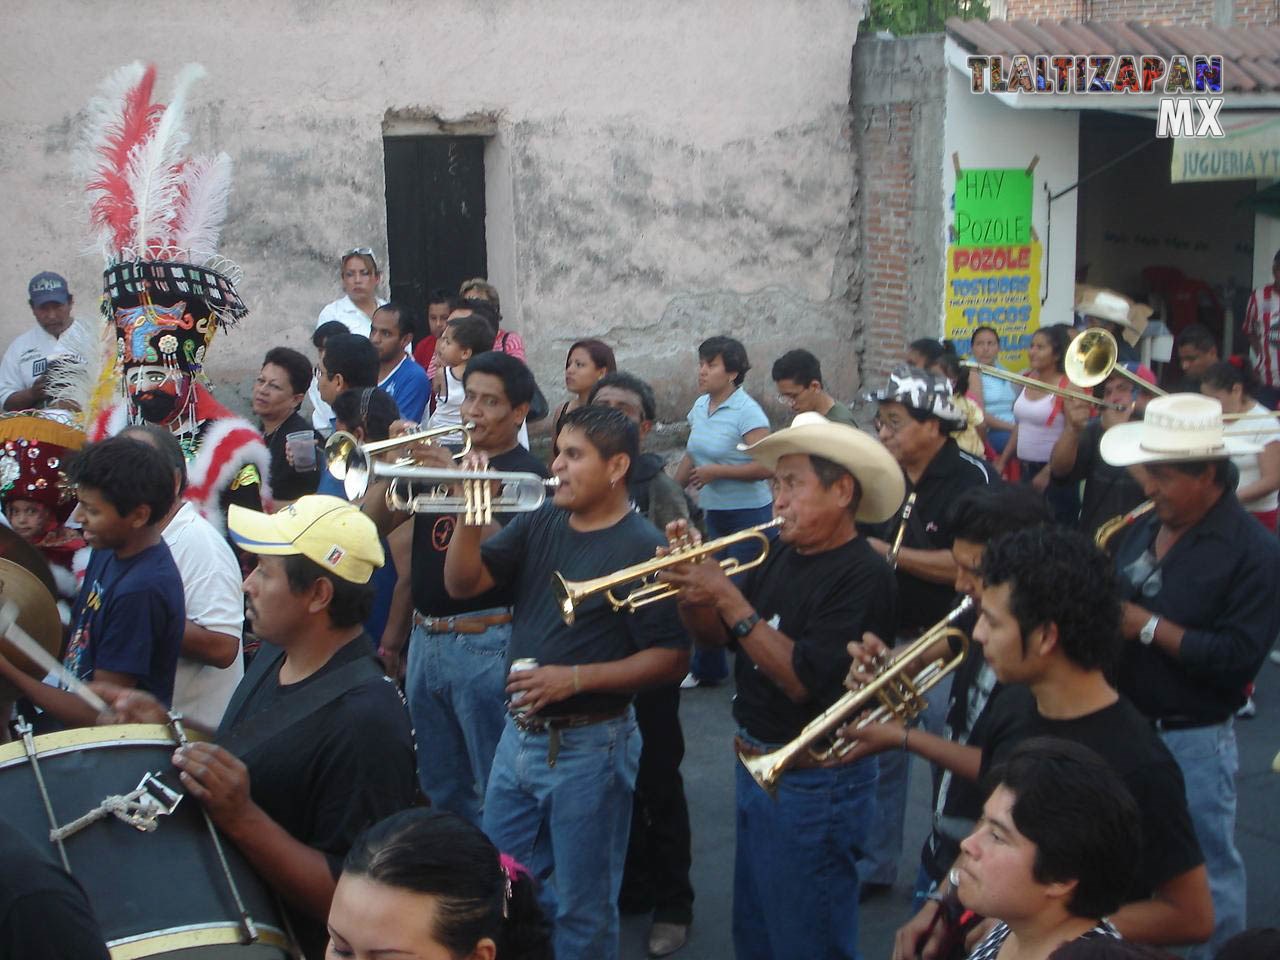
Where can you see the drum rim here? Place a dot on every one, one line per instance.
(92, 738)
(192, 935)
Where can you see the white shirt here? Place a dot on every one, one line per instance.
(1260, 432)
(30, 352)
(356, 321)
(211, 585)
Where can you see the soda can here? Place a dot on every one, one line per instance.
(518, 666)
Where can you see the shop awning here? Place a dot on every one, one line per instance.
(1250, 150)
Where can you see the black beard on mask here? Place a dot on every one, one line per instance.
(156, 406)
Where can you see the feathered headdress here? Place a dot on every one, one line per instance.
(156, 215)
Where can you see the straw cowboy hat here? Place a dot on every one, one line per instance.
(1113, 307)
(1179, 427)
(877, 473)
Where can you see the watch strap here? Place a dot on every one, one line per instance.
(745, 625)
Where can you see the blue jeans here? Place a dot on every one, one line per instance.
(712, 665)
(1207, 756)
(569, 824)
(795, 876)
(456, 687)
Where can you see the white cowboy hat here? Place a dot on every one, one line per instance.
(1179, 427)
(1113, 307)
(877, 473)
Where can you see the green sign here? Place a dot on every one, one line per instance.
(993, 207)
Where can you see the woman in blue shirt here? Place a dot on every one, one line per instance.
(733, 489)
(994, 395)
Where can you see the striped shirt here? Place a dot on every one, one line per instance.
(1262, 322)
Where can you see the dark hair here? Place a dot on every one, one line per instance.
(294, 364)
(984, 329)
(128, 474)
(1196, 335)
(440, 295)
(330, 328)
(799, 366)
(352, 602)
(1081, 817)
(164, 441)
(601, 353)
(828, 472)
(929, 348)
(354, 357)
(625, 381)
(517, 379)
(731, 353)
(380, 411)
(606, 429)
(1224, 375)
(1260, 944)
(1059, 337)
(1113, 948)
(472, 333)
(404, 317)
(440, 854)
(1049, 569)
(982, 513)
(955, 371)
(483, 309)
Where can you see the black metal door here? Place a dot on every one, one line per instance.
(435, 215)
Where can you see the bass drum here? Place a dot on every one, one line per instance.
(158, 891)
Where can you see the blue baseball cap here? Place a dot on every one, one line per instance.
(47, 288)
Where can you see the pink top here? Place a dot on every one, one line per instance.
(1036, 436)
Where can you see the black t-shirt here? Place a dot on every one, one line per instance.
(431, 535)
(334, 772)
(288, 483)
(1125, 739)
(821, 602)
(529, 550)
(922, 603)
(44, 914)
(1108, 491)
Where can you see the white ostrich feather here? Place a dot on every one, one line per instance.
(206, 183)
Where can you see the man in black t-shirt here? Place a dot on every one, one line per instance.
(456, 677)
(915, 421)
(315, 745)
(1050, 624)
(795, 874)
(559, 792)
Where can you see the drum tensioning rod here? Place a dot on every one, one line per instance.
(247, 926)
(29, 746)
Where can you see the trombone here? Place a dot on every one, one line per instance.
(1038, 385)
(901, 697)
(569, 594)
(1092, 357)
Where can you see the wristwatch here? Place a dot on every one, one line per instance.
(1148, 632)
(745, 625)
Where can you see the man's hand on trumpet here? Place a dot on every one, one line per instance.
(870, 656)
(701, 584)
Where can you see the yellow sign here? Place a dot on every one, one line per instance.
(994, 287)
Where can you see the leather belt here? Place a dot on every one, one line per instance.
(804, 761)
(532, 723)
(469, 625)
(1184, 723)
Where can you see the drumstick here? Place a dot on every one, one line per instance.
(10, 630)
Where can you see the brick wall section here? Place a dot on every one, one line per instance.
(898, 113)
(1246, 13)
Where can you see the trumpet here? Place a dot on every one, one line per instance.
(900, 697)
(352, 462)
(518, 492)
(569, 594)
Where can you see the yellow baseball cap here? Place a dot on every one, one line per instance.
(328, 530)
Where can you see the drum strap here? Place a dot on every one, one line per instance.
(249, 733)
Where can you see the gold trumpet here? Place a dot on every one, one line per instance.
(352, 462)
(569, 594)
(900, 697)
(1092, 358)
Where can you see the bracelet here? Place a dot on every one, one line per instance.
(577, 687)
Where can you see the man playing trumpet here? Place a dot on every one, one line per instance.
(795, 875)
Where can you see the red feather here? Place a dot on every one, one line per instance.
(115, 208)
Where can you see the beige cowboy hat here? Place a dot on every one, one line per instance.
(1113, 307)
(1179, 427)
(877, 473)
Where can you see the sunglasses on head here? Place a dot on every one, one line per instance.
(362, 252)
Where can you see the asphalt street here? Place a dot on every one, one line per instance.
(708, 775)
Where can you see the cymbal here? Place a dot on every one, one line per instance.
(38, 616)
(14, 548)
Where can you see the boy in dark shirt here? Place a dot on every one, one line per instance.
(127, 622)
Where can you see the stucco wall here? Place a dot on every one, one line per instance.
(661, 171)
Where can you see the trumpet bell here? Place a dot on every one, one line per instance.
(1091, 357)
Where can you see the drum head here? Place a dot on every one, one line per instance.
(37, 615)
(17, 550)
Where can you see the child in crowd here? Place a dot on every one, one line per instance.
(948, 365)
(462, 339)
(441, 304)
